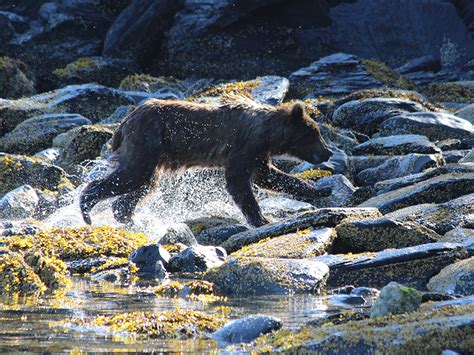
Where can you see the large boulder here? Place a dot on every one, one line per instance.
(260, 276)
(395, 299)
(37, 133)
(19, 203)
(457, 278)
(435, 190)
(396, 145)
(367, 115)
(379, 234)
(15, 79)
(434, 125)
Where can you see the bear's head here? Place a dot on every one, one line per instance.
(304, 137)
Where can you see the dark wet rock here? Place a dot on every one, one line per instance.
(179, 233)
(37, 133)
(367, 115)
(17, 170)
(427, 63)
(118, 271)
(395, 299)
(84, 143)
(150, 259)
(120, 113)
(260, 276)
(304, 243)
(438, 189)
(149, 84)
(19, 203)
(457, 279)
(324, 217)
(49, 155)
(411, 266)
(341, 191)
(334, 75)
(245, 330)
(15, 79)
(398, 167)
(467, 113)
(7, 30)
(379, 234)
(454, 156)
(271, 90)
(396, 183)
(468, 158)
(345, 140)
(356, 164)
(139, 30)
(434, 125)
(218, 235)
(450, 144)
(89, 100)
(197, 258)
(442, 217)
(396, 145)
(101, 70)
(283, 207)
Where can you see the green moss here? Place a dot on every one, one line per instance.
(179, 323)
(449, 92)
(79, 243)
(72, 68)
(116, 264)
(386, 75)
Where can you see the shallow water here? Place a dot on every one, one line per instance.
(28, 323)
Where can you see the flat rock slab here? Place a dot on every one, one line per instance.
(372, 235)
(441, 218)
(302, 244)
(324, 217)
(434, 125)
(261, 276)
(245, 330)
(396, 145)
(457, 278)
(271, 89)
(412, 266)
(435, 190)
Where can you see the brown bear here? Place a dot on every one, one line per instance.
(239, 135)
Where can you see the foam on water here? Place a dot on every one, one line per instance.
(194, 193)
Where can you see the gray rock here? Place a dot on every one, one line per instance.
(411, 266)
(366, 116)
(327, 217)
(150, 259)
(398, 167)
(463, 301)
(438, 189)
(260, 276)
(372, 235)
(458, 235)
(271, 90)
(19, 203)
(283, 207)
(395, 299)
(341, 191)
(468, 158)
(38, 132)
(245, 330)
(179, 233)
(457, 278)
(197, 258)
(218, 235)
(434, 125)
(396, 145)
(49, 155)
(467, 113)
(356, 164)
(14, 78)
(455, 156)
(334, 75)
(337, 163)
(120, 113)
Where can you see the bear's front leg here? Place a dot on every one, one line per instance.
(239, 186)
(269, 177)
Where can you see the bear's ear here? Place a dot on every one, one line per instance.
(297, 111)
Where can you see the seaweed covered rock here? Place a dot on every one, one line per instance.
(324, 217)
(15, 79)
(84, 143)
(411, 266)
(178, 324)
(395, 299)
(19, 203)
(372, 235)
(397, 145)
(247, 329)
(457, 278)
(101, 70)
(304, 243)
(17, 170)
(434, 125)
(259, 276)
(367, 115)
(438, 189)
(117, 270)
(450, 92)
(37, 133)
